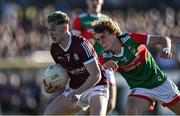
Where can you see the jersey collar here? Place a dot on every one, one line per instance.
(68, 45)
(121, 53)
(95, 15)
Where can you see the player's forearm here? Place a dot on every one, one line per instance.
(175, 39)
(166, 43)
(92, 80)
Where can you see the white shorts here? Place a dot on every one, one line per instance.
(166, 94)
(110, 76)
(84, 100)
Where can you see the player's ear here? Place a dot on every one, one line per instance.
(114, 33)
(66, 27)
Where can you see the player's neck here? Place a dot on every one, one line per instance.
(65, 40)
(93, 12)
(116, 46)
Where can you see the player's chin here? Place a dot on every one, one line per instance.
(55, 41)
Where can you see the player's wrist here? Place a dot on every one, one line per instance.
(76, 94)
(166, 49)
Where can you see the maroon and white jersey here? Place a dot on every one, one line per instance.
(74, 57)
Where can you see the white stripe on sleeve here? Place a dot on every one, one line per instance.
(76, 32)
(148, 37)
(89, 61)
(88, 53)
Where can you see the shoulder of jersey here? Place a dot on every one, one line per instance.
(124, 37)
(76, 36)
(83, 15)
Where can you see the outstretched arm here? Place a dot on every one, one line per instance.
(175, 39)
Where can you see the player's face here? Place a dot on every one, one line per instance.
(94, 5)
(106, 39)
(56, 32)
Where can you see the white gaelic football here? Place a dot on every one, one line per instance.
(56, 75)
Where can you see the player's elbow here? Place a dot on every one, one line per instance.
(165, 40)
(97, 75)
(168, 39)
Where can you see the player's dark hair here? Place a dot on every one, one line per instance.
(57, 18)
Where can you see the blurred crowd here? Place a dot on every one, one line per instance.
(18, 96)
(22, 32)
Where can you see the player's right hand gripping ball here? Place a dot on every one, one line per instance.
(56, 76)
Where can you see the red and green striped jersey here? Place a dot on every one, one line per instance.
(136, 64)
(82, 26)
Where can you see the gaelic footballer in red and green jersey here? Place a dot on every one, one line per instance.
(135, 62)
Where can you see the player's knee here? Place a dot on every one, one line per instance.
(133, 110)
(52, 111)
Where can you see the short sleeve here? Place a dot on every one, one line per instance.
(140, 38)
(87, 52)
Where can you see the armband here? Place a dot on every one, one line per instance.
(166, 49)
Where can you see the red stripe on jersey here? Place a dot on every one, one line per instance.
(139, 38)
(77, 24)
(174, 101)
(101, 59)
(87, 49)
(143, 52)
(151, 101)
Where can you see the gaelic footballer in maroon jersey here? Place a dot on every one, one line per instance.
(88, 86)
(73, 58)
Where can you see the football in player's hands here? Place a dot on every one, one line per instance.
(55, 78)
